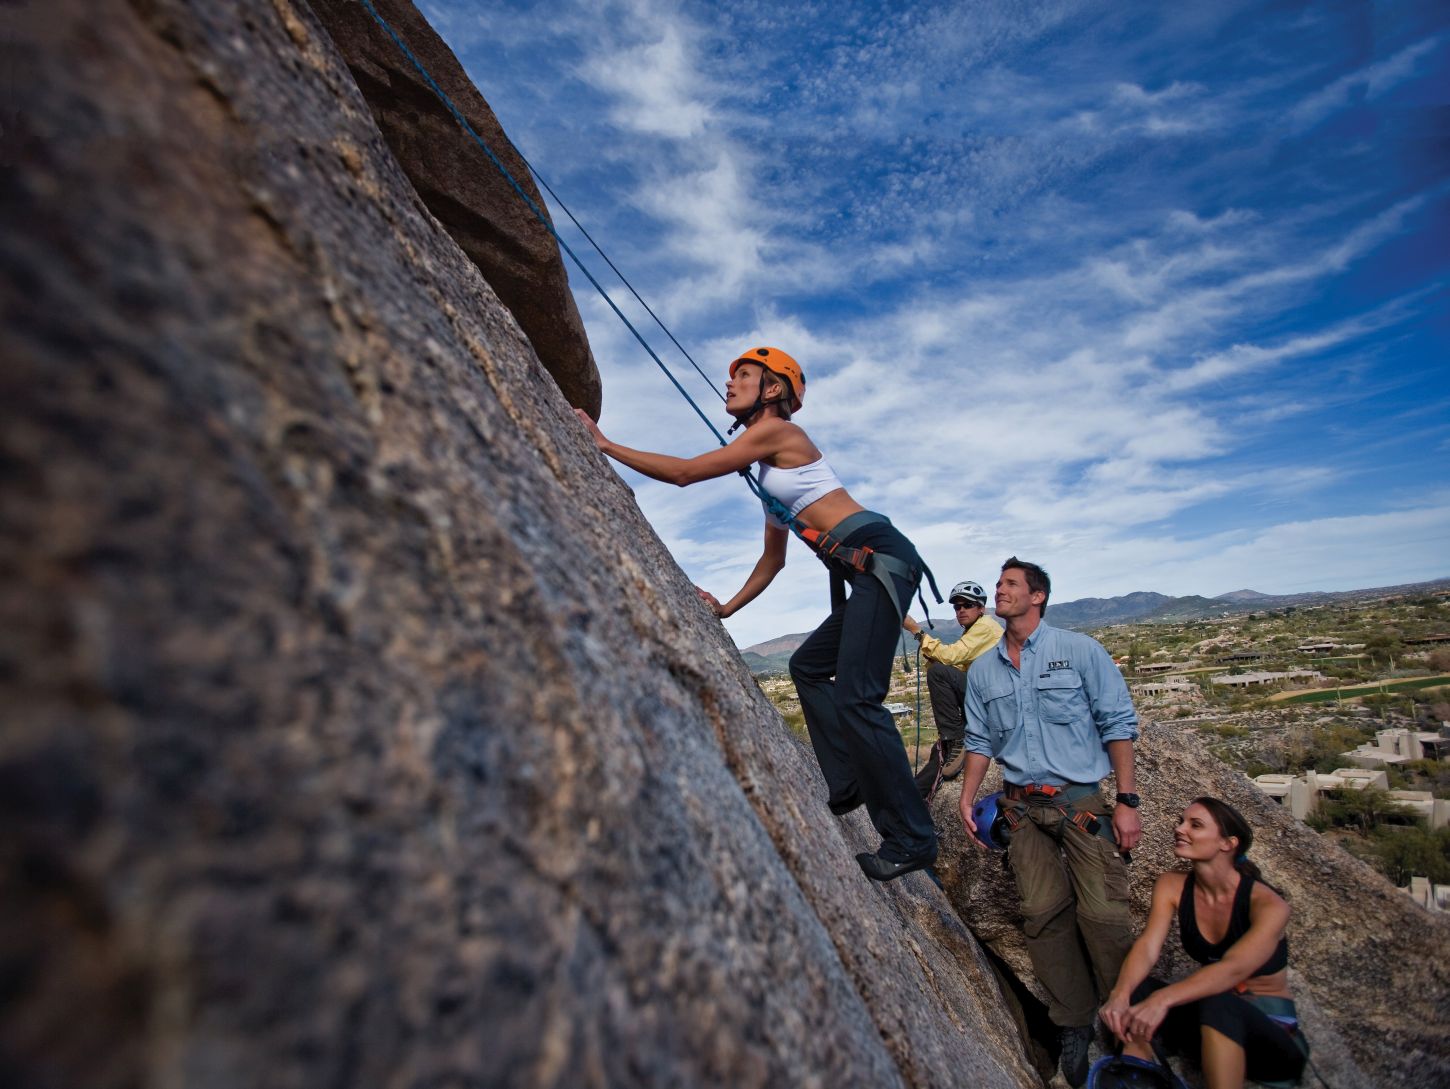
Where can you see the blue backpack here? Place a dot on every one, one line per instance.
(1121, 1071)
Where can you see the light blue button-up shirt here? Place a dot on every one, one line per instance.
(1050, 721)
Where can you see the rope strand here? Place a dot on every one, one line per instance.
(772, 504)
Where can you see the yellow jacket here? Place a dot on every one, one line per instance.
(975, 641)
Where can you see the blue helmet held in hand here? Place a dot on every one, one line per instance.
(990, 822)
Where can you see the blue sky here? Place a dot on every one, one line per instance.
(1157, 295)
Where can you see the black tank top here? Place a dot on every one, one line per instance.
(1201, 950)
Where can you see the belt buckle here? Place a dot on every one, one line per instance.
(1046, 790)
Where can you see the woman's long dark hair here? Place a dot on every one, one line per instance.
(1231, 823)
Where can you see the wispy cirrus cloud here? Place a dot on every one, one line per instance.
(1366, 84)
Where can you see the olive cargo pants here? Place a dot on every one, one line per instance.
(1073, 888)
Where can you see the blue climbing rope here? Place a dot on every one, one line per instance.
(916, 759)
(771, 503)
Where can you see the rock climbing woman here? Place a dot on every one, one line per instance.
(843, 669)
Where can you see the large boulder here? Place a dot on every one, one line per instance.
(358, 729)
(1368, 965)
(461, 186)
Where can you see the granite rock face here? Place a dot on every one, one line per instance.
(1368, 966)
(358, 729)
(464, 190)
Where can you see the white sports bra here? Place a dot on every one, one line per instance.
(797, 488)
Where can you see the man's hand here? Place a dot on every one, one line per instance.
(910, 625)
(710, 600)
(1127, 827)
(970, 821)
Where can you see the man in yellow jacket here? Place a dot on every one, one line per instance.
(946, 680)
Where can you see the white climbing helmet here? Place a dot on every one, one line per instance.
(969, 590)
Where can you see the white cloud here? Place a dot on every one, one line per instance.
(1366, 84)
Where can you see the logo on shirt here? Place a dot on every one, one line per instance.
(1059, 665)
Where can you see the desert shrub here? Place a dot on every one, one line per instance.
(1227, 730)
(1402, 853)
(1364, 810)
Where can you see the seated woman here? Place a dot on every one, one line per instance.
(1234, 1016)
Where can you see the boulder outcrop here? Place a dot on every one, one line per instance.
(358, 729)
(464, 190)
(1369, 967)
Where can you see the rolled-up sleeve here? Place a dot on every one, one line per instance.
(978, 738)
(1112, 706)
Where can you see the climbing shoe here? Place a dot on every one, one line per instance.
(1074, 1060)
(880, 869)
(954, 758)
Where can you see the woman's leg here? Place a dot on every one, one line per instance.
(1222, 1060)
(813, 669)
(868, 638)
(1240, 1040)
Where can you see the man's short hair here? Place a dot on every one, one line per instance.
(1037, 580)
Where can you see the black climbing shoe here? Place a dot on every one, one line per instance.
(954, 758)
(1074, 1060)
(879, 869)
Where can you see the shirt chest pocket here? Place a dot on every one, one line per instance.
(1000, 706)
(1060, 697)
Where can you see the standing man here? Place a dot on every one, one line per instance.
(946, 680)
(1052, 708)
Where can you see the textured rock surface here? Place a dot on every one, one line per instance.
(1370, 969)
(358, 730)
(460, 186)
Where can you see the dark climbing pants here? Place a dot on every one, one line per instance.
(1073, 887)
(1272, 1052)
(947, 686)
(842, 673)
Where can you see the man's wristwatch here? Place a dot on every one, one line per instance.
(1132, 801)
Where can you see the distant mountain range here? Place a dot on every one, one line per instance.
(1141, 607)
(773, 656)
(1150, 608)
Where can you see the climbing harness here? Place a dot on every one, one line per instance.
(829, 546)
(1042, 795)
(861, 560)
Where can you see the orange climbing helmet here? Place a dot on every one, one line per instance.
(779, 364)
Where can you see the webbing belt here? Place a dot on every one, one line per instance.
(1049, 796)
(837, 556)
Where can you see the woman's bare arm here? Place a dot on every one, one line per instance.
(1146, 950)
(772, 559)
(761, 441)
